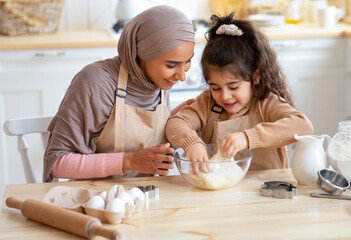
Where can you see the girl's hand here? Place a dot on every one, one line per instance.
(150, 160)
(234, 143)
(197, 152)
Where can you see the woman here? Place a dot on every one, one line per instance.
(112, 118)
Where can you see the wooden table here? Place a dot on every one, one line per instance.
(184, 212)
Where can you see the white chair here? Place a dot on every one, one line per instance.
(22, 126)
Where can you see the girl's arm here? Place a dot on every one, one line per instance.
(182, 128)
(280, 122)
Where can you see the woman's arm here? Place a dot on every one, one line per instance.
(177, 108)
(98, 165)
(82, 115)
(78, 166)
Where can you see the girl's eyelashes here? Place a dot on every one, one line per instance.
(217, 89)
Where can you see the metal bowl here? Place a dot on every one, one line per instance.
(332, 182)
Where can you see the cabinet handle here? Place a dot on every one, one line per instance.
(50, 54)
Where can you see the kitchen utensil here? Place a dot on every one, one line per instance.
(150, 191)
(309, 157)
(332, 182)
(278, 189)
(213, 175)
(61, 218)
(329, 16)
(323, 195)
(312, 7)
(293, 11)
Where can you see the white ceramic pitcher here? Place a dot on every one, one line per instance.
(309, 157)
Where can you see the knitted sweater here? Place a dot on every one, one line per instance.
(279, 122)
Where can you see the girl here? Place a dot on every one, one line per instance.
(247, 105)
(112, 118)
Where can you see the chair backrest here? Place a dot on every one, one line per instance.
(22, 126)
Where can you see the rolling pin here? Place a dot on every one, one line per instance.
(64, 219)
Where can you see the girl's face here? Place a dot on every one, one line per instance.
(169, 68)
(230, 92)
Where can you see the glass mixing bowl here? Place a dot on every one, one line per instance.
(213, 175)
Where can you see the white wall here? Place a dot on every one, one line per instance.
(92, 14)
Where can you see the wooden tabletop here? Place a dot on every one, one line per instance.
(102, 38)
(184, 212)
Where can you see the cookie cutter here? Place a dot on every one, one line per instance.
(278, 189)
(150, 191)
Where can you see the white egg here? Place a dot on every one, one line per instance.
(116, 205)
(135, 192)
(114, 189)
(127, 198)
(103, 194)
(96, 202)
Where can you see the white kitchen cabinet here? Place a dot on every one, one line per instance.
(316, 72)
(33, 83)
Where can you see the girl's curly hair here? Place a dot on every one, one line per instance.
(243, 55)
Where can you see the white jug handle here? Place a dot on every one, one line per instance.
(327, 140)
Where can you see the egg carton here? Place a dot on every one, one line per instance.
(88, 201)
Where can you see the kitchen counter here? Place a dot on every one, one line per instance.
(184, 212)
(101, 38)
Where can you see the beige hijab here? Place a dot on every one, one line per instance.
(89, 100)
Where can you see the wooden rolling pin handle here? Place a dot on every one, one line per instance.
(98, 230)
(64, 219)
(14, 203)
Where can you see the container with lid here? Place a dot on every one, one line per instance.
(293, 11)
(339, 150)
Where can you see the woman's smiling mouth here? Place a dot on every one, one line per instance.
(170, 81)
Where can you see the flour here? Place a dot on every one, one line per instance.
(224, 174)
(340, 152)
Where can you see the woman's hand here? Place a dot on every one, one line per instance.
(233, 143)
(150, 160)
(190, 101)
(197, 152)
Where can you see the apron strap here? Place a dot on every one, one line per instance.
(216, 111)
(121, 94)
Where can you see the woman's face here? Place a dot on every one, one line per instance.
(230, 92)
(169, 68)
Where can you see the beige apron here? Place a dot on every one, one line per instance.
(216, 131)
(130, 129)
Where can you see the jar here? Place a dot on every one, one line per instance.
(312, 9)
(293, 11)
(339, 150)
